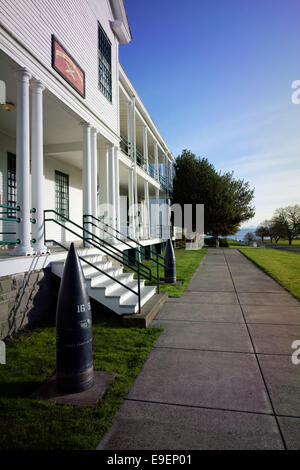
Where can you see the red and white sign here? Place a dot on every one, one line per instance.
(67, 67)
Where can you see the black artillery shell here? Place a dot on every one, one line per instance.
(170, 263)
(74, 359)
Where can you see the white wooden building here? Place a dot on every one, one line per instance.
(75, 138)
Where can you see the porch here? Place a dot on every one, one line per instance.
(51, 159)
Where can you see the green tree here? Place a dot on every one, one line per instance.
(287, 221)
(229, 205)
(262, 231)
(277, 231)
(227, 200)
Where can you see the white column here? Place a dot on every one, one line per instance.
(169, 218)
(22, 164)
(111, 186)
(37, 166)
(156, 160)
(136, 206)
(131, 227)
(94, 176)
(117, 189)
(170, 173)
(166, 168)
(147, 209)
(157, 231)
(145, 149)
(86, 170)
(131, 175)
(103, 183)
(166, 215)
(129, 129)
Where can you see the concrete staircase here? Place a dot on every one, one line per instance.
(107, 291)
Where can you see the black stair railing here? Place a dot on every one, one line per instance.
(100, 244)
(90, 220)
(9, 214)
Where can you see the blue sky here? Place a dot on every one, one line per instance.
(216, 78)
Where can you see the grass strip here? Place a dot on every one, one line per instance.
(283, 266)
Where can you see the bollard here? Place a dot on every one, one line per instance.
(170, 264)
(74, 360)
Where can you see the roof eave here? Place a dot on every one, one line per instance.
(120, 25)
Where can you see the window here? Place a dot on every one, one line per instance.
(104, 54)
(62, 194)
(11, 183)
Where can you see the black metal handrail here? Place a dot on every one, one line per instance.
(103, 246)
(122, 240)
(101, 271)
(8, 218)
(122, 235)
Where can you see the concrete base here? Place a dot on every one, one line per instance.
(90, 397)
(148, 313)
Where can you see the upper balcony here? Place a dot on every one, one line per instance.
(140, 140)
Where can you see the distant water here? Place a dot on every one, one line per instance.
(241, 233)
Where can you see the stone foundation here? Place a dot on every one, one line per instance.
(26, 298)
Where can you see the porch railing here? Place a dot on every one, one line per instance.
(141, 161)
(115, 235)
(125, 145)
(94, 241)
(9, 214)
(152, 170)
(145, 231)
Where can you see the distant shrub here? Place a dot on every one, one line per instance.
(210, 241)
(233, 242)
(180, 243)
(223, 243)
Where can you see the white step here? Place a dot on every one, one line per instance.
(104, 265)
(109, 286)
(122, 292)
(98, 281)
(107, 291)
(93, 273)
(131, 302)
(127, 304)
(57, 267)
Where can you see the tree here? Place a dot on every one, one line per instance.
(287, 221)
(268, 225)
(227, 200)
(277, 231)
(249, 237)
(262, 231)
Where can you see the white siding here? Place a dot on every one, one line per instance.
(51, 164)
(75, 197)
(75, 24)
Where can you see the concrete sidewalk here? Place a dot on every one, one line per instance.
(220, 375)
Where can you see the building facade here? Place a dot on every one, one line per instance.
(77, 139)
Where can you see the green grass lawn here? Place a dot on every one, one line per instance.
(35, 424)
(187, 261)
(283, 266)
